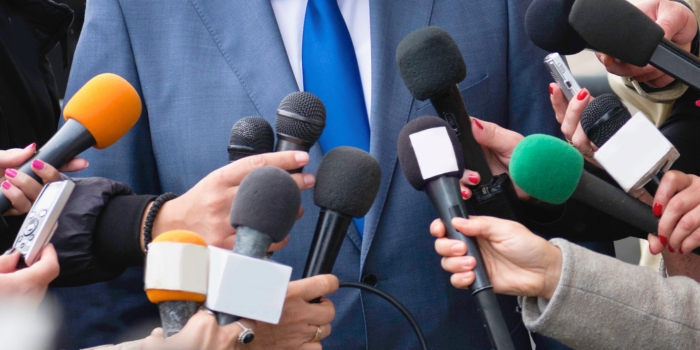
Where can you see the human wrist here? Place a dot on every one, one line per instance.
(552, 272)
(159, 216)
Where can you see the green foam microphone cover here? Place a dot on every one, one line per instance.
(546, 167)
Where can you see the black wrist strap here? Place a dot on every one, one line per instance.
(150, 218)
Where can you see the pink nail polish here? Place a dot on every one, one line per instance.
(697, 103)
(6, 185)
(10, 172)
(663, 240)
(465, 194)
(30, 145)
(38, 164)
(582, 94)
(476, 121)
(657, 210)
(680, 250)
(473, 178)
(670, 249)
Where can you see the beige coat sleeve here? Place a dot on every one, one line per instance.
(604, 303)
(132, 345)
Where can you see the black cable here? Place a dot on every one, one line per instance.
(402, 309)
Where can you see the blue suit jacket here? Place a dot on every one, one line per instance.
(200, 65)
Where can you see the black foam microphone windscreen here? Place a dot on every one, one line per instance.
(249, 136)
(603, 117)
(547, 26)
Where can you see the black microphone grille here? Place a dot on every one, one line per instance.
(428, 148)
(267, 200)
(603, 117)
(301, 115)
(547, 26)
(347, 181)
(429, 62)
(250, 135)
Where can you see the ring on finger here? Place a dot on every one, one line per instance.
(319, 335)
(589, 152)
(246, 336)
(569, 141)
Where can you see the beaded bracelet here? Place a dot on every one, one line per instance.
(150, 218)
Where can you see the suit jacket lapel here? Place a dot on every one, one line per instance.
(390, 22)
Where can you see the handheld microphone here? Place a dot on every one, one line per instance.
(347, 182)
(98, 115)
(431, 160)
(431, 65)
(301, 119)
(547, 26)
(263, 212)
(631, 149)
(176, 277)
(250, 136)
(619, 29)
(550, 170)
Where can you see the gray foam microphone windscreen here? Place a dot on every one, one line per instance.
(308, 106)
(347, 181)
(547, 26)
(407, 155)
(603, 117)
(268, 200)
(429, 62)
(250, 135)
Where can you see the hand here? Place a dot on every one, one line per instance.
(205, 207)
(29, 283)
(498, 144)
(20, 188)
(200, 332)
(568, 114)
(299, 318)
(679, 25)
(518, 261)
(677, 200)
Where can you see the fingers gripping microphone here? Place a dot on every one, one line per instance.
(176, 277)
(301, 119)
(547, 26)
(98, 115)
(431, 160)
(431, 65)
(552, 171)
(250, 136)
(263, 212)
(631, 149)
(347, 181)
(619, 29)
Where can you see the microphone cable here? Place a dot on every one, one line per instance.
(402, 309)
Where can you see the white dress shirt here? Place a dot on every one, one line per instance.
(290, 20)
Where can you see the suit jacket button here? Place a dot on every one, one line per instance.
(370, 279)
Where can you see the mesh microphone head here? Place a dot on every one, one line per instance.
(547, 26)
(268, 201)
(307, 106)
(603, 117)
(407, 154)
(429, 62)
(347, 181)
(617, 28)
(250, 135)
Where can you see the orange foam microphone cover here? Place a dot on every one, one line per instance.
(159, 295)
(107, 106)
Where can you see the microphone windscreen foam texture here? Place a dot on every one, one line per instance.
(107, 106)
(253, 132)
(306, 105)
(547, 26)
(546, 168)
(617, 28)
(347, 181)
(268, 201)
(596, 109)
(429, 62)
(159, 295)
(407, 155)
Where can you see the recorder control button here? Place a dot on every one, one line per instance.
(42, 213)
(31, 215)
(30, 237)
(31, 227)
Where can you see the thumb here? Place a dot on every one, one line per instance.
(494, 137)
(677, 21)
(8, 263)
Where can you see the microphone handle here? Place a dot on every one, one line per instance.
(289, 143)
(174, 315)
(678, 63)
(445, 195)
(654, 182)
(450, 107)
(72, 139)
(249, 242)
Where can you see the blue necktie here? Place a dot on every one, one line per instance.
(331, 73)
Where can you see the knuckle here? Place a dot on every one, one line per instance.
(257, 161)
(687, 224)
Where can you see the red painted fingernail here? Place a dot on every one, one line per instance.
(697, 103)
(38, 164)
(657, 209)
(663, 240)
(581, 95)
(473, 178)
(551, 90)
(30, 145)
(465, 194)
(680, 250)
(6, 185)
(670, 249)
(10, 172)
(478, 124)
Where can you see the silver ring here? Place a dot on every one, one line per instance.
(246, 336)
(202, 308)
